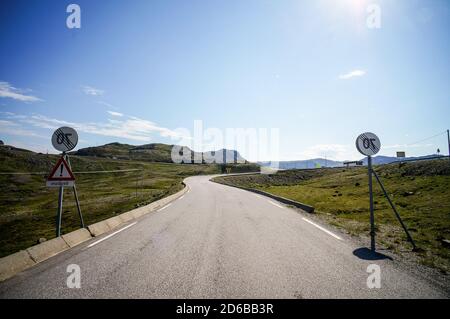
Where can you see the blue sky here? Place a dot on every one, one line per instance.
(137, 70)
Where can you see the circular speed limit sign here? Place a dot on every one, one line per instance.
(368, 144)
(65, 139)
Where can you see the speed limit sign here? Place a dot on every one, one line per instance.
(65, 139)
(368, 144)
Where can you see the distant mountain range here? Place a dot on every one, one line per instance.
(303, 164)
(321, 162)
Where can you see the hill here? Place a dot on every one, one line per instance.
(155, 152)
(150, 152)
(322, 162)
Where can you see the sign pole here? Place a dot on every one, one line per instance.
(369, 144)
(60, 205)
(372, 217)
(78, 206)
(76, 195)
(408, 235)
(64, 139)
(448, 140)
(59, 215)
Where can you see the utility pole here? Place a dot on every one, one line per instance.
(448, 140)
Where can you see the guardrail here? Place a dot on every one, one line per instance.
(306, 208)
(82, 172)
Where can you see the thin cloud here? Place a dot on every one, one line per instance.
(115, 113)
(108, 105)
(9, 91)
(352, 74)
(405, 146)
(11, 128)
(89, 90)
(337, 152)
(127, 127)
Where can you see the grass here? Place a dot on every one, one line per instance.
(28, 208)
(420, 191)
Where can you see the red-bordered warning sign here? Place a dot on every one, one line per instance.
(61, 172)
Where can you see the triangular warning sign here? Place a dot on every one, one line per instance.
(61, 172)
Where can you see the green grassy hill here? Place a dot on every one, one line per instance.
(420, 190)
(149, 152)
(155, 152)
(28, 208)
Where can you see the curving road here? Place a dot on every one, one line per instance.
(220, 242)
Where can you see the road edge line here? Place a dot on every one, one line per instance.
(322, 229)
(110, 235)
(307, 208)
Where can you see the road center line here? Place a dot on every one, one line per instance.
(275, 204)
(322, 229)
(110, 235)
(164, 207)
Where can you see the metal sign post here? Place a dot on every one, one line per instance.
(372, 216)
(76, 195)
(64, 139)
(60, 176)
(369, 144)
(448, 140)
(408, 235)
(59, 214)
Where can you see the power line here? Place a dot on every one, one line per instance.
(85, 172)
(428, 138)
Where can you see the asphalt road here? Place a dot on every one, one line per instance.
(220, 242)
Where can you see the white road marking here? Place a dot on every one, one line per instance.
(110, 235)
(258, 195)
(181, 197)
(164, 207)
(322, 229)
(275, 204)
